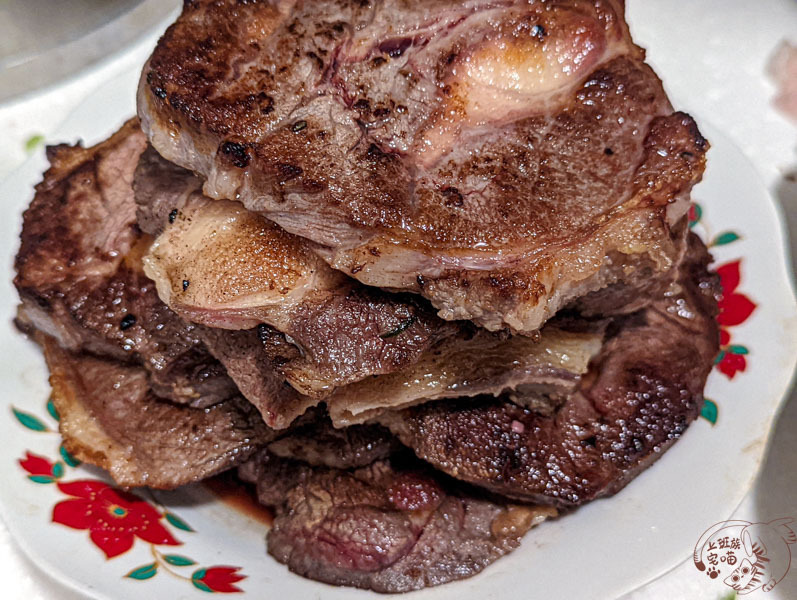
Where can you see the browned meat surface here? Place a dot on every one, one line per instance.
(217, 264)
(101, 302)
(535, 372)
(256, 365)
(499, 158)
(320, 444)
(392, 526)
(645, 388)
(243, 269)
(79, 273)
(111, 418)
(335, 336)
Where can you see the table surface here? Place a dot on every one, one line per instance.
(738, 102)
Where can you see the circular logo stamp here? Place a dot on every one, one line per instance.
(746, 556)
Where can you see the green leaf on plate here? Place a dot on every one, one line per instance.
(195, 579)
(53, 411)
(738, 349)
(29, 420)
(725, 238)
(177, 560)
(58, 470)
(41, 478)
(33, 142)
(720, 356)
(145, 572)
(178, 522)
(710, 411)
(68, 458)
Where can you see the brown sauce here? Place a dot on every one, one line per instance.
(238, 495)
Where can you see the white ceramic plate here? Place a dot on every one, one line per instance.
(606, 548)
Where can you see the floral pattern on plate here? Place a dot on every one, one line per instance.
(735, 308)
(116, 519)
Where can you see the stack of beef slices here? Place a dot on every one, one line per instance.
(421, 272)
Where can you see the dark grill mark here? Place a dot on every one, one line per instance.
(452, 197)
(400, 329)
(237, 154)
(318, 60)
(269, 107)
(288, 171)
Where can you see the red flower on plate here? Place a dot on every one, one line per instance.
(730, 364)
(37, 465)
(218, 579)
(734, 308)
(40, 469)
(114, 518)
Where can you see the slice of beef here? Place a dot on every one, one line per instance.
(219, 265)
(393, 526)
(644, 389)
(80, 279)
(539, 372)
(110, 417)
(82, 212)
(257, 367)
(501, 159)
(123, 318)
(241, 269)
(333, 335)
(321, 444)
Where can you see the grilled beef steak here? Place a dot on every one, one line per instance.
(645, 387)
(392, 526)
(243, 271)
(405, 265)
(80, 279)
(335, 335)
(319, 444)
(255, 367)
(500, 159)
(538, 373)
(111, 418)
